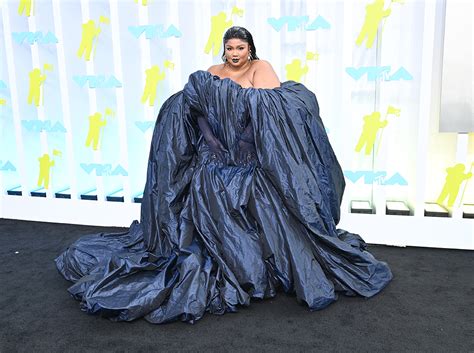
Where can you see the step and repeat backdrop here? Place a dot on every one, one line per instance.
(81, 83)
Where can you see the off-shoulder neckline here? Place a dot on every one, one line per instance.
(227, 79)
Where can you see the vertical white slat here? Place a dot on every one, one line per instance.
(202, 14)
(2, 113)
(174, 44)
(312, 78)
(425, 106)
(64, 92)
(145, 58)
(40, 109)
(346, 97)
(462, 146)
(327, 72)
(378, 162)
(15, 102)
(93, 105)
(276, 51)
(241, 4)
(122, 123)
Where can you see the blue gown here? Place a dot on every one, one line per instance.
(215, 233)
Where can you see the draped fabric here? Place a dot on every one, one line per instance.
(219, 226)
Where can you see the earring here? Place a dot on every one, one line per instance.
(249, 58)
(224, 59)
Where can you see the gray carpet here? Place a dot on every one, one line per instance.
(428, 307)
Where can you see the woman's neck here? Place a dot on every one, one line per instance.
(237, 70)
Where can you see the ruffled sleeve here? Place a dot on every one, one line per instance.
(196, 92)
(170, 170)
(295, 153)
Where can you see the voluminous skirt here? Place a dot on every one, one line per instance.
(215, 232)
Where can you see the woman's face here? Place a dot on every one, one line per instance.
(236, 52)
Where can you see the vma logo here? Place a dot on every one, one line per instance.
(298, 22)
(154, 31)
(103, 169)
(144, 125)
(40, 125)
(34, 37)
(7, 167)
(100, 81)
(370, 177)
(375, 72)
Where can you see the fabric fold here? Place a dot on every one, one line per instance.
(216, 232)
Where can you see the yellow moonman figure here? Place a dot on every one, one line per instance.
(453, 182)
(89, 34)
(168, 64)
(144, 2)
(25, 7)
(237, 11)
(219, 24)
(36, 81)
(153, 77)
(372, 124)
(45, 164)
(391, 110)
(312, 56)
(374, 13)
(95, 125)
(295, 71)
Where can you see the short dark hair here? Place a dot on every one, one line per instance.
(242, 34)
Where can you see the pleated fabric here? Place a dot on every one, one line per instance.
(215, 233)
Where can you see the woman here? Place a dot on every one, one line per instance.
(241, 63)
(242, 198)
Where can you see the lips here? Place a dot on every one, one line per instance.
(235, 60)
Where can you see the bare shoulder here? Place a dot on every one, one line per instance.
(264, 76)
(261, 64)
(215, 69)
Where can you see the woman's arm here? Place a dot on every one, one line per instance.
(264, 76)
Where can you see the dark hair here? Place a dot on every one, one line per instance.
(237, 32)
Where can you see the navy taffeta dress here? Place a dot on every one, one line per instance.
(215, 232)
